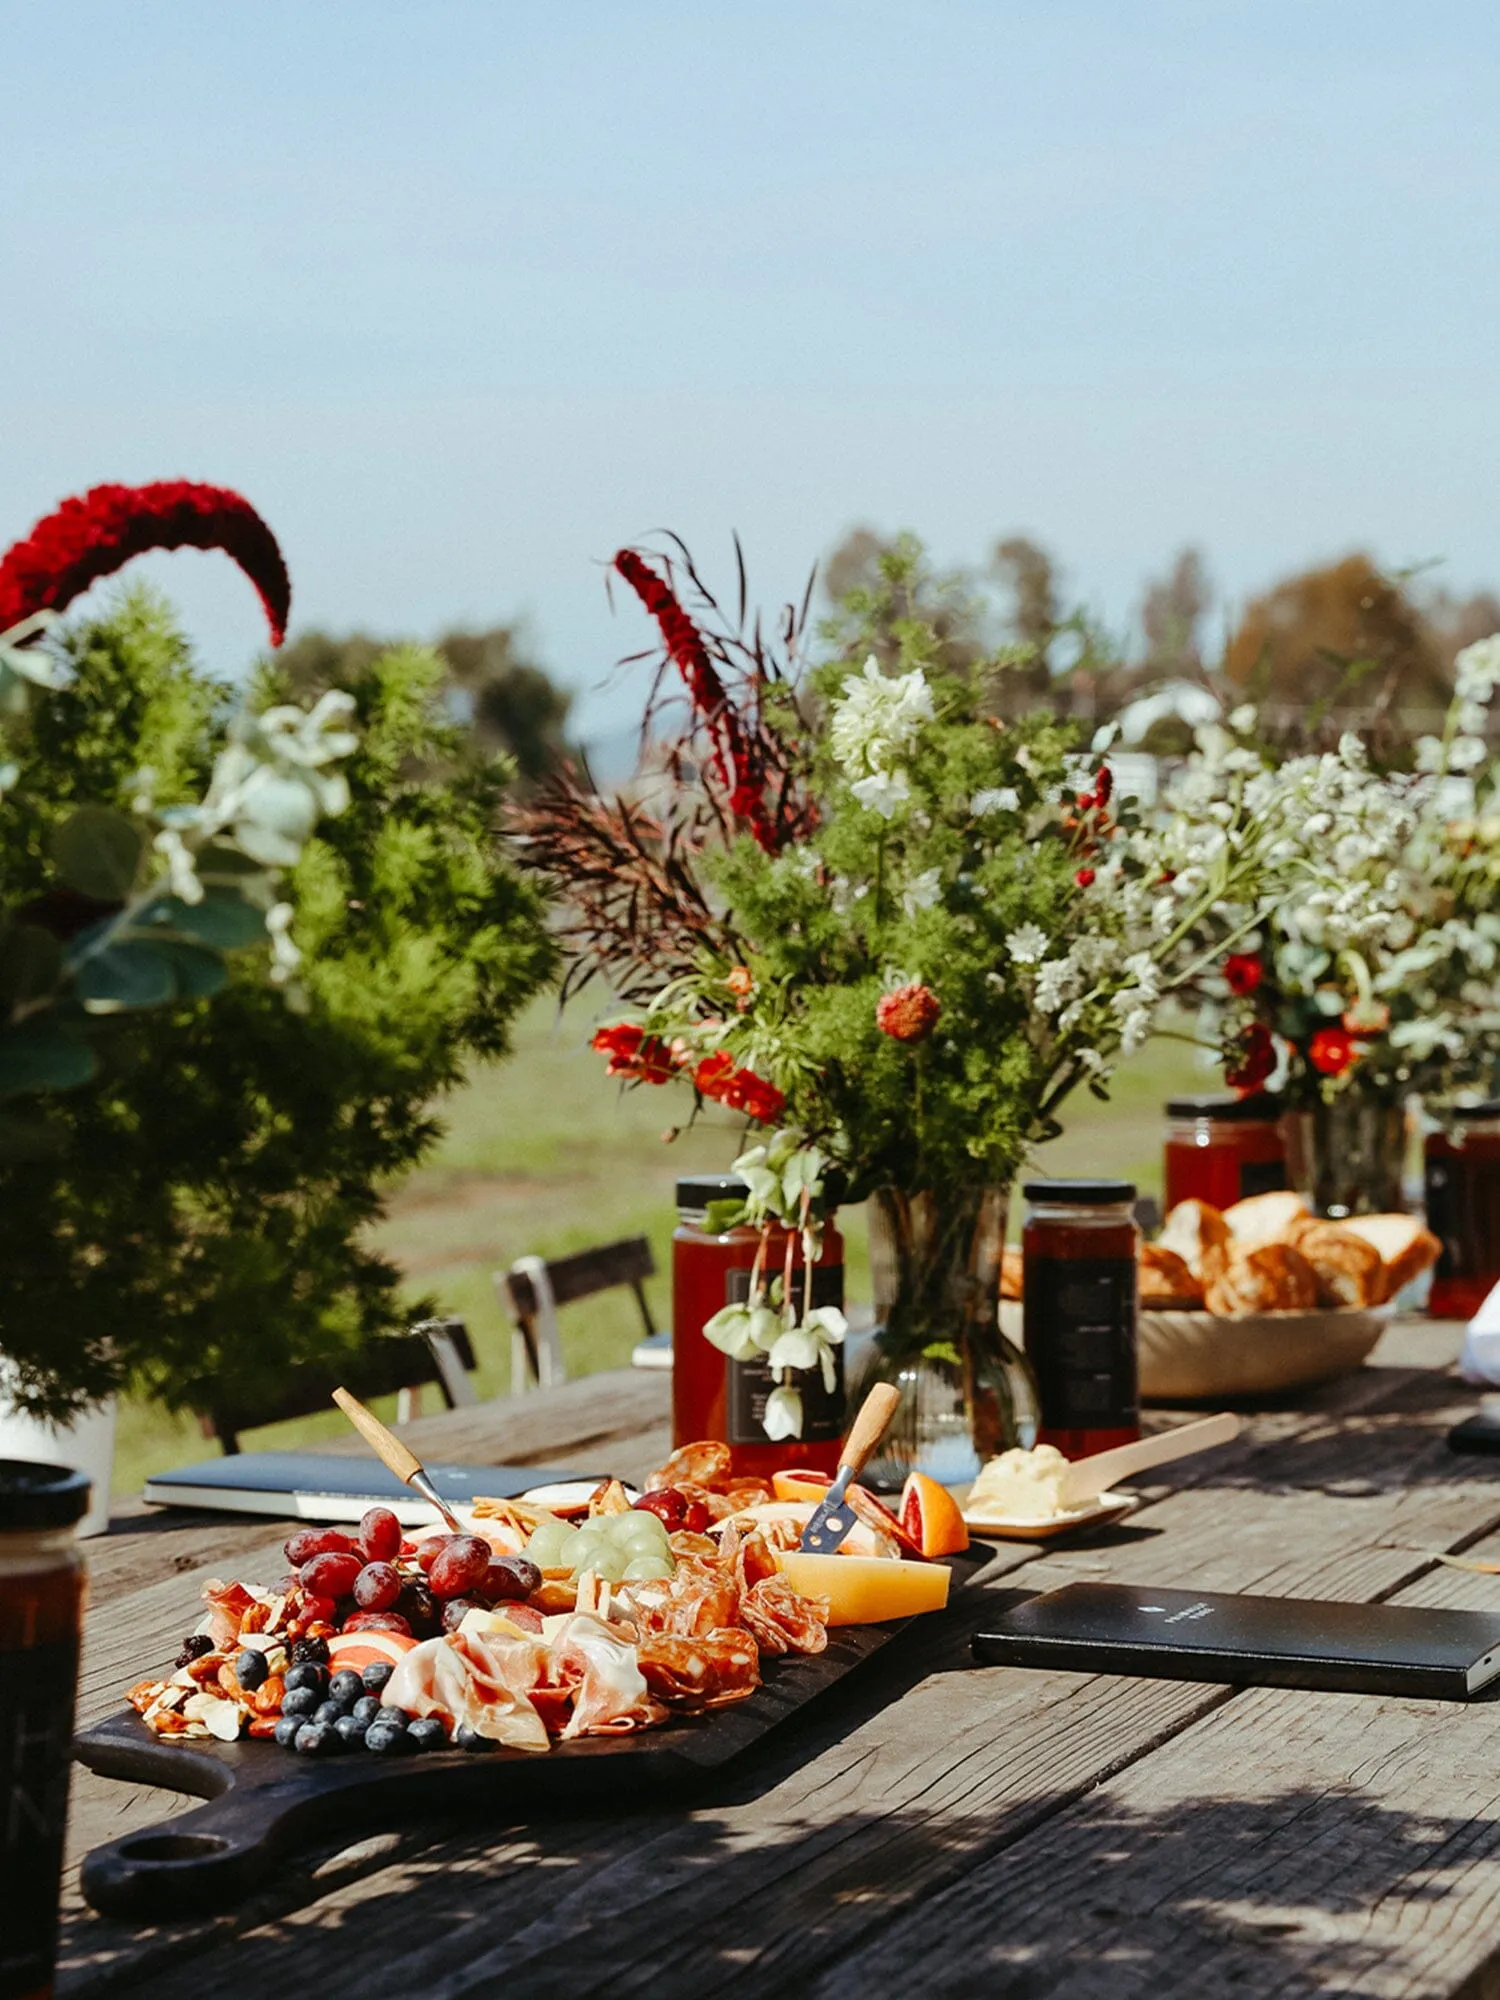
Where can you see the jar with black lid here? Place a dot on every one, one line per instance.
(41, 1610)
(1221, 1148)
(714, 1396)
(1079, 1246)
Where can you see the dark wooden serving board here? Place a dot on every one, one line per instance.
(263, 1799)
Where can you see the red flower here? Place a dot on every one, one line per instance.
(732, 756)
(634, 1053)
(716, 1077)
(93, 536)
(1243, 972)
(1331, 1051)
(1255, 1059)
(1104, 785)
(1084, 878)
(908, 1013)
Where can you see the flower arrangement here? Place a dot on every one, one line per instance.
(1376, 968)
(890, 929)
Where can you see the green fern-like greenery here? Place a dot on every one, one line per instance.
(201, 1234)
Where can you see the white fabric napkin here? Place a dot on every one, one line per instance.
(1480, 1359)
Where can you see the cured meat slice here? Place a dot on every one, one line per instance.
(482, 1680)
(610, 1695)
(700, 1673)
(703, 1464)
(701, 1597)
(783, 1621)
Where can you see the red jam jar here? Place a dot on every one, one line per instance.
(1462, 1177)
(41, 1610)
(1078, 1246)
(714, 1396)
(1220, 1149)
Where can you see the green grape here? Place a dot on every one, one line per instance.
(547, 1540)
(608, 1565)
(648, 1569)
(645, 1534)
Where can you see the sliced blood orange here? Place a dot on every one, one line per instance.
(875, 1514)
(362, 1649)
(931, 1517)
(800, 1483)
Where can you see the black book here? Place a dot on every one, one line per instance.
(1191, 1635)
(322, 1486)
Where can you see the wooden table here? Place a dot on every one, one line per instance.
(928, 1828)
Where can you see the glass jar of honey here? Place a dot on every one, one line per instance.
(1461, 1172)
(1221, 1148)
(1078, 1247)
(714, 1396)
(41, 1608)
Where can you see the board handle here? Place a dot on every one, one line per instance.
(183, 1866)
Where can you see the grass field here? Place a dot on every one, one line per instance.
(542, 1155)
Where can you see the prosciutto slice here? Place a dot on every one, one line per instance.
(610, 1695)
(479, 1679)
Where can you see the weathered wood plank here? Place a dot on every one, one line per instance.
(840, 1827)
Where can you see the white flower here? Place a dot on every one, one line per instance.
(1028, 945)
(883, 793)
(1476, 670)
(998, 799)
(1429, 753)
(1243, 719)
(1134, 1030)
(181, 872)
(879, 719)
(783, 1415)
(1466, 753)
(922, 891)
(285, 957)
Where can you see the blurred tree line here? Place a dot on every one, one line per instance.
(1341, 646)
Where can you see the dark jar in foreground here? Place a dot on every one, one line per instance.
(716, 1397)
(1222, 1148)
(966, 1392)
(41, 1608)
(1461, 1173)
(1079, 1248)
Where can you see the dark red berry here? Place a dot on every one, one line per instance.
(310, 1542)
(510, 1578)
(459, 1565)
(331, 1575)
(377, 1586)
(418, 1607)
(380, 1534)
(667, 1504)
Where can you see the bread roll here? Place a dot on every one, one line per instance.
(1266, 1277)
(1264, 1218)
(1404, 1246)
(1198, 1234)
(1348, 1269)
(1011, 1266)
(1163, 1279)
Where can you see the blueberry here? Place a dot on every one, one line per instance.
(375, 1675)
(365, 1710)
(350, 1731)
(346, 1686)
(307, 1674)
(310, 1652)
(427, 1733)
(313, 1740)
(398, 1716)
(385, 1739)
(250, 1668)
(287, 1728)
(465, 1738)
(300, 1701)
(328, 1713)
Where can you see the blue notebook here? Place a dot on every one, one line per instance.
(323, 1486)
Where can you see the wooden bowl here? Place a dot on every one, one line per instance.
(1199, 1357)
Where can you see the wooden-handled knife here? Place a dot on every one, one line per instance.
(826, 1530)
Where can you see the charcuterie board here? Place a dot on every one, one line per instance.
(262, 1800)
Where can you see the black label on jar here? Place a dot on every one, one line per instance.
(749, 1383)
(36, 1733)
(1443, 1204)
(1261, 1177)
(1080, 1341)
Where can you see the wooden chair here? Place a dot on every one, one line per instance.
(534, 1287)
(436, 1350)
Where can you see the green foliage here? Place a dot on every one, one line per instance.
(201, 1232)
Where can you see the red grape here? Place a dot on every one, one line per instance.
(377, 1621)
(331, 1575)
(377, 1586)
(510, 1577)
(380, 1534)
(310, 1542)
(315, 1610)
(429, 1551)
(418, 1607)
(457, 1609)
(695, 1521)
(667, 1504)
(462, 1562)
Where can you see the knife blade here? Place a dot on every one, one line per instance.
(835, 1517)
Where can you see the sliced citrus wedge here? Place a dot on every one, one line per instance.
(932, 1517)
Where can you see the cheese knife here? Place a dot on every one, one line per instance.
(825, 1532)
(389, 1449)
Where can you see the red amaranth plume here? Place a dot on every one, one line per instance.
(733, 758)
(95, 534)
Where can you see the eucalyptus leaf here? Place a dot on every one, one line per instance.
(223, 920)
(42, 1055)
(98, 851)
(199, 973)
(125, 977)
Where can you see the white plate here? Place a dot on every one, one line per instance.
(1107, 1507)
(570, 1493)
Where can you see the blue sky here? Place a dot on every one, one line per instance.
(464, 295)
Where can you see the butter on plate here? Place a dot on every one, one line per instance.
(1020, 1485)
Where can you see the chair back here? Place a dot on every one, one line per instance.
(534, 1287)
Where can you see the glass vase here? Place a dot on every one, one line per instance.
(966, 1391)
(1347, 1156)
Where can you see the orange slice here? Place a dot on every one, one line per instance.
(800, 1483)
(932, 1517)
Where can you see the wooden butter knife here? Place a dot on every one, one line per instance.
(1088, 1477)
